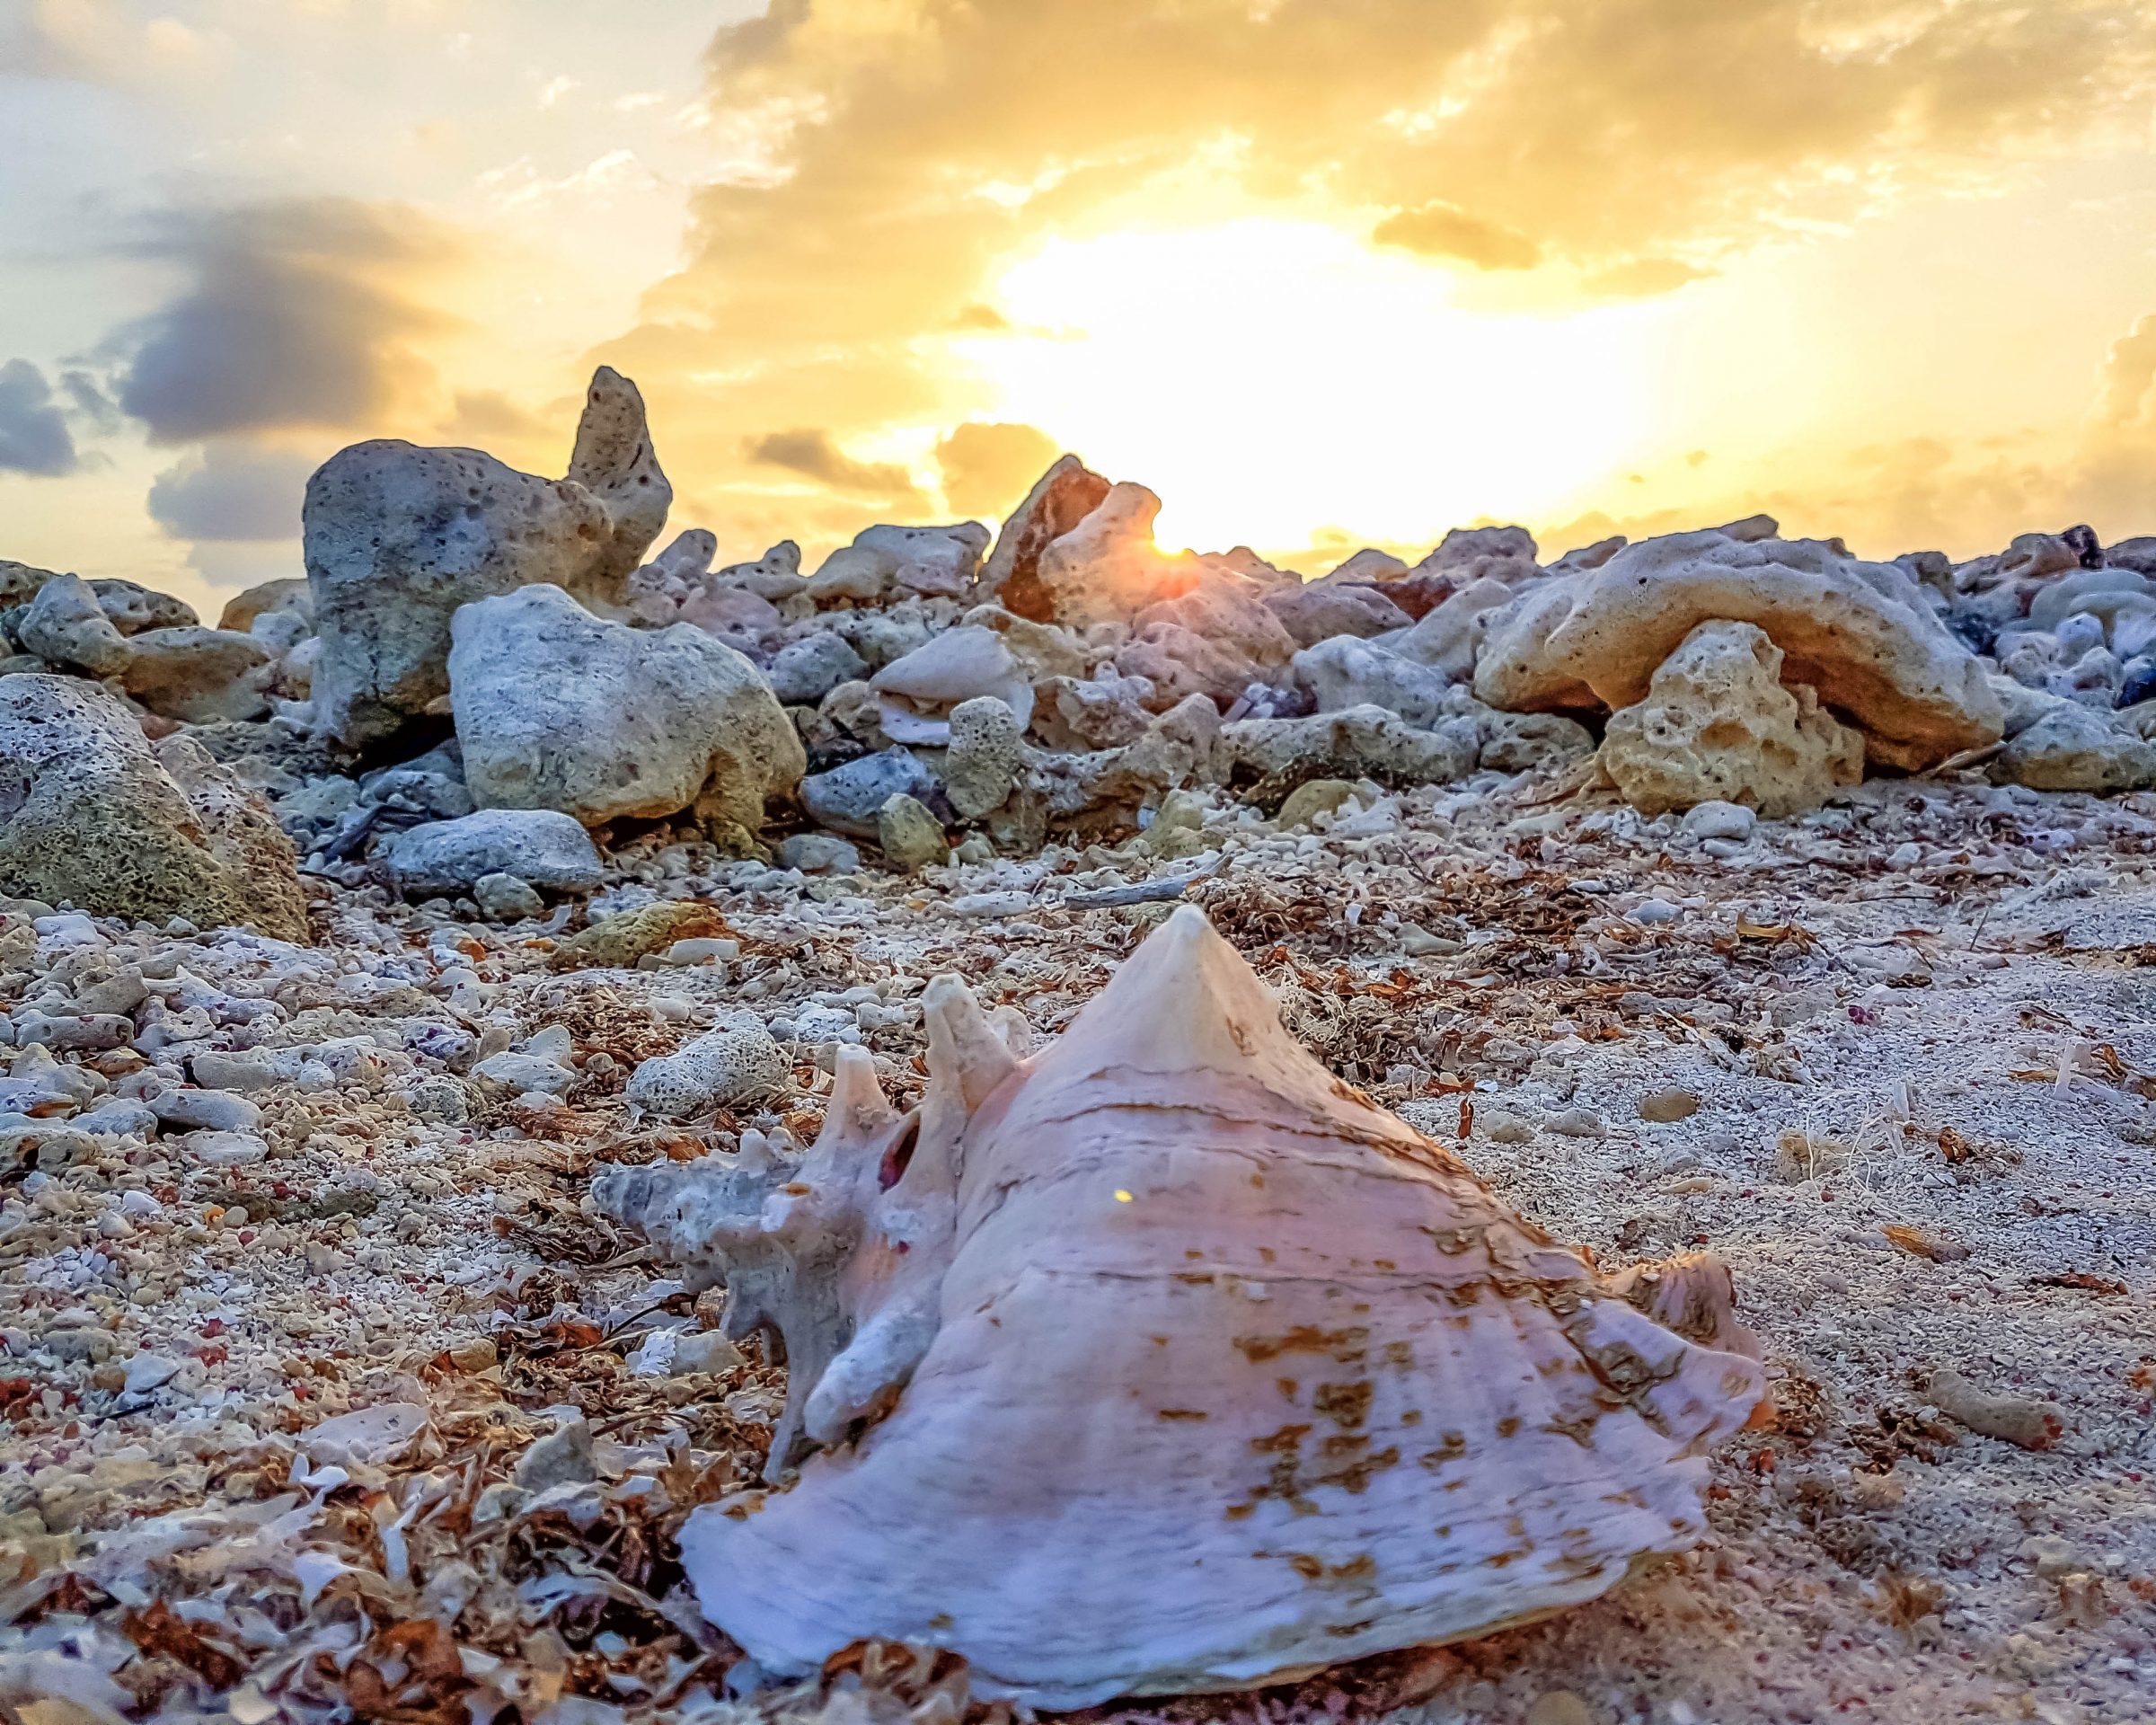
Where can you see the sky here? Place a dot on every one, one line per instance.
(1321, 273)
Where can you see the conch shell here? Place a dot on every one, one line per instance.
(1164, 1361)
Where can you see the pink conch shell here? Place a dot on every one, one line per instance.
(1163, 1361)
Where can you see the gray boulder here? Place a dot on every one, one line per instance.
(805, 672)
(557, 709)
(544, 849)
(397, 537)
(847, 798)
(91, 816)
(65, 626)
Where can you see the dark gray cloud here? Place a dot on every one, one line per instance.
(34, 437)
(232, 490)
(295, 313)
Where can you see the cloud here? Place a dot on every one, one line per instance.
(987, 466)
(232, 490)
(1643, 278)
(814, 455)
(892, 160)
(485, 418)
(34, 437)
(1444, 230)
(296, 313)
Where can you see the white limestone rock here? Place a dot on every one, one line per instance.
(557, 709)
(1861, 633)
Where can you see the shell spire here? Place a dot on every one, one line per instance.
(1161, 1360)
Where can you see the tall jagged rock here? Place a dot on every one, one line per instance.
(398, 536)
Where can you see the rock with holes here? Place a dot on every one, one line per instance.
(397, 537)
(1168, 1300)
(1717, 725)
(92, 815)
(1861, 633)
(557, 709)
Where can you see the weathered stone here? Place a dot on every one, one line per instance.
(1100, 712)
(133, 607)
(1448, 635)
(1311, 799)
(544, 849)
(1108, 568)
(2075, 747)
(288, 593)
(90, 815)
(20, 582)
(986, 755)
(65, 625)
(1719, 726)
(1216, 639)
(198, 675)
(819, 854)
(506, 898)
(1059, 500)
(846, 798)
(1323, 611)
(557, 709)
(804, 672)
(1471, 554)
(617, 942)
(397, 537)
(1860, 633)
(909, 835)
(1273, 756)
(1347, 672)
(614, 460)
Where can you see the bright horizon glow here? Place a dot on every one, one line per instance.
(1276, 381)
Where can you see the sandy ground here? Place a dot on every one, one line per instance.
(1911, 1039)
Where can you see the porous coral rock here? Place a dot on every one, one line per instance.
(198, 675)
(737, 1061)
(1271, 756)
(986, 755)
(1719, 726)
(557, 709)
(1108, 568)
(1858, 632)
(65, 626)
(1216, 639)
(397, 537)
(2070, 746)
(1060, 499)
(1124, 1280)
(1348, 672)
(1321, 611)
(90, 814)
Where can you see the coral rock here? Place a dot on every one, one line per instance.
(397, 537)
(1860, 633)
(1719, 726)
(557, 709)
(1059, 500)
(1168, 1301)
(92, 815)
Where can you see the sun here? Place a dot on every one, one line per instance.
(1272, 379)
